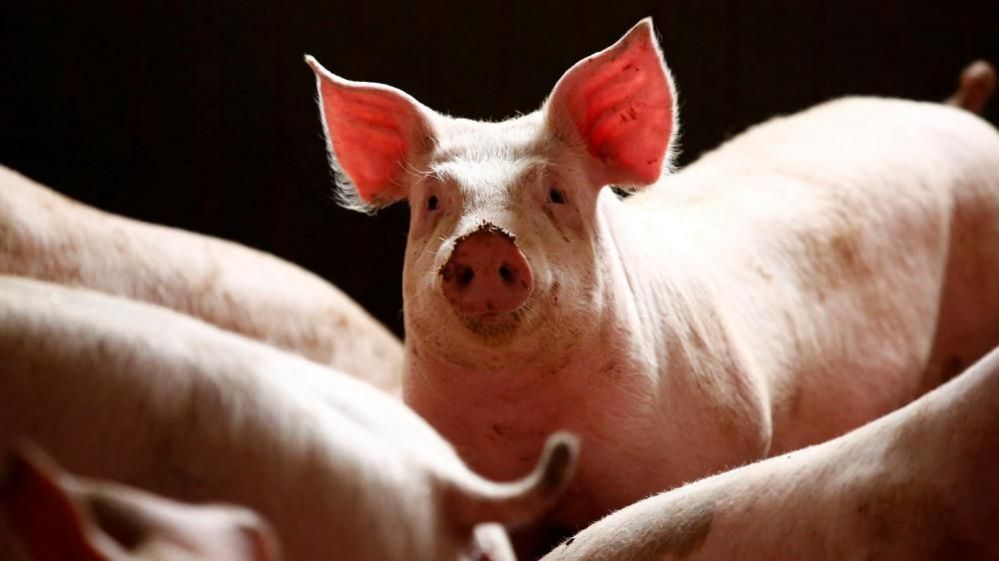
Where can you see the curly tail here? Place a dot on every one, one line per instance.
(974, 87)
(515, 503)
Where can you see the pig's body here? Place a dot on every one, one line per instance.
(918, 484)
(752, 304)
(808, 276)
(850, 255)
(47, 236)
(137, 394)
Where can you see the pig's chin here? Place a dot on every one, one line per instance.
(495, 328)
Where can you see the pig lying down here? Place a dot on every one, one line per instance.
(810, 275)
(47, 236)
(917, 484)
(134, 393)
(58, 517)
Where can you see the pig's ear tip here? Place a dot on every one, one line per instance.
(23, 457)
(315, 66)
(642, 31)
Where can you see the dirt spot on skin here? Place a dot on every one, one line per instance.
(758, 268)
(845, 248)
(630, 115)
(609, 368)
(835, 260)
(607, 155)
(310, 339)
(894, 512)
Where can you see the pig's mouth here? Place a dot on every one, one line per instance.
(500, 327)
(494, 326)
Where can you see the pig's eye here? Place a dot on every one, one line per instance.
(432, 202)
(556, 196)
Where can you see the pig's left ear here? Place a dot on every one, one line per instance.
(619, 107)
(41, 513)
(375, 135)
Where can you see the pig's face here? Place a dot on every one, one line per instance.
(505, 245)
(501, 241)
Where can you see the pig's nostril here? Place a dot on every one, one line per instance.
(465, 276)
(506, 273)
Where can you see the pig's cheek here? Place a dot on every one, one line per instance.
(574, 222)
(428, 282)
(541, 271)
(421, 313)
(569, 272)
(421, 279)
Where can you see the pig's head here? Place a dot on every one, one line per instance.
(505, 242)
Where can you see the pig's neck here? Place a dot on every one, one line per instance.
(663, 283)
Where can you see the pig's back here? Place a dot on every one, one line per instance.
(855, 143)
(47, 236)
(853, 250)
(860, 160)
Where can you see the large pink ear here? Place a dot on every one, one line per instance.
(58, 517)
(41, 513)
(374, 134)
(619, 105)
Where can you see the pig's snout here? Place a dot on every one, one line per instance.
(486, 274)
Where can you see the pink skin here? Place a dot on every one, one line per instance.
(918, 484)
(486, 274)
(510, 372)
(46, 236)
(796, 283)
(341, 470)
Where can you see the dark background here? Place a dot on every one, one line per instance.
(201, 114)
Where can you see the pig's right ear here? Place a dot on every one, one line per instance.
(617, 108)
(41, 513)
(375, 135)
